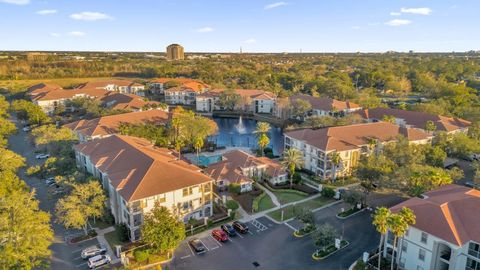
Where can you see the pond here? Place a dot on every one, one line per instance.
(235, 132)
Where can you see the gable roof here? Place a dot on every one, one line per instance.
(42, 88)
(137, 169)
(245, 93)
(105, 83)
(123, 101)
(59, 94)
(451, 213)
(186, 82)
(350, 137)
(417, 119)
(107, 125)
(325, 103)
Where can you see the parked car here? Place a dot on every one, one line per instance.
(50, 181)
(228, 229)
(220, 235)
(98, 261)
(472, 185)
(197, 245)
(42, 156)
(93, 251)
(240, 226)
(26, 129)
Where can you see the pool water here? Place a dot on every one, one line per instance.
(205, 160)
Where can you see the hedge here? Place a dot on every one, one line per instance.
(231, 204)
(256, 201)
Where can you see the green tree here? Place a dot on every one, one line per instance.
(389, 119)
(198, 144)
(335, 160)
(84, 202)
(26, 110)
(398, 224)
(263, 141)
(435, 156)
(380, 221)
(292, 159)
(10, 161)
(7, 128)
(162, 231)
(430, 126)
(299, 108)
(324, 236)
(229, 99)
(262, 129)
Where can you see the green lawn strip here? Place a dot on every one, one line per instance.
(287, 196)
(113, 239)
(100, 224)
(289, 211)
(265, 203)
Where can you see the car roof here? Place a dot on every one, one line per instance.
(96, 258)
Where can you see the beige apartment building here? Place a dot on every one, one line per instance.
(175, 52)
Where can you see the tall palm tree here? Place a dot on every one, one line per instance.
(380, 221)
(409, 218)
(398, 226)
(198, 144)
(335, 159)
(262, 129)
(292, 159)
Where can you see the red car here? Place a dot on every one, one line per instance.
(219, 235)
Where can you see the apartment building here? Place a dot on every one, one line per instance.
(239, 167)
(128, 102)
(181, 95)
(105, 126)
(324, 106)
(121, 86)
(161, 84)
(446, 234)
(175, 52)
(251, 100)
(419, 120)
(349, 142)
(136, 175)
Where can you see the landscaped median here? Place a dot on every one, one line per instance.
(290, 211)
(349, 212)
(306, 230)
(323, 253)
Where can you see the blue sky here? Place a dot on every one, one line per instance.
(254, 25)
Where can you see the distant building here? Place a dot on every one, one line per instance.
(159, 85)
(446, 234)
(36, 56)
(252, 100)
(175, 52)
(323, 106)
(122, 86)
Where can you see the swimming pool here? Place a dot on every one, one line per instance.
(205, 160)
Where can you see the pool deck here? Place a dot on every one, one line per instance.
(192, 156)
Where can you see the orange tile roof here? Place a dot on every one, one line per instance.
(451, 213)
(137, 169)
(105, 83)
(350, 137)
(187, 82)
(125, 101)
(109, 124)
(326, 104)
(59, 94)
(417, 119)
(250, 93)
(42, 88)
(182, 88)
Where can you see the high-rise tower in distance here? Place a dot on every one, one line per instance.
(175, 52)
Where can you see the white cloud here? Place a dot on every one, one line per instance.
(204, 29)
(55, 34)
(398, 22)
(275, 5)
(419, 11)
(356, 27)
(90, 16)
(16, 2)
(250, 41)
(395, 13)
(46, 12)
(76, 34)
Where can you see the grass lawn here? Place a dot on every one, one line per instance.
(100, 224)
(286, 197)
(289, 212)
(265, 204)
(113, 239)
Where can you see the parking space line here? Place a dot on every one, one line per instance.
(77, 258)
(191, 250)
(77, 250)
(184, 257)
(215, 240)
(251, 232)
(239, 234)
(82, 264)
(290, 226)
(204, 244)
(214, 248)
(230, 239)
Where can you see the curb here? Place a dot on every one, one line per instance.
(351, 215)
(328, 255)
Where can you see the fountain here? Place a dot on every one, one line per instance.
(240, 126)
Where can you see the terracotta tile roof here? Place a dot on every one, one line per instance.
(250, 93)
(451, 213)
(42, 88)
(139, 170)
(109, 124)
(182, 88)
(187, 82)
(326, 104)
(354, 136)
(230, 168)
(105, 83)
(123, 101)
(417, 119)
(59, 94)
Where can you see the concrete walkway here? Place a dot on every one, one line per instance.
(269, 193)
(101, 239)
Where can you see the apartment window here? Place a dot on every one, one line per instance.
(187, 191)
(474, 250)
(421, 254)
(161, 198)
(424, 238)
(404, 246)
(419, 267)
(472, 265)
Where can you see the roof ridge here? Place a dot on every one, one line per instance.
(448, 216)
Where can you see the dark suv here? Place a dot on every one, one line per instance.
(240, 226)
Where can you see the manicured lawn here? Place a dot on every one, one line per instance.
(113, 239)
(286, 197)
(265, 204)
(289, 212)
(100, 224)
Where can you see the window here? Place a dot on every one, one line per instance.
(474, 250)
(472, 265)
(187, 191)
(421, 254)
(404, 246)
(161, 198)
(419, 267)
(424, 238)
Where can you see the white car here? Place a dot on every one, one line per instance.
(98, 260)
(26, 129)
(93, 251)
(42, 156)
(49, 181)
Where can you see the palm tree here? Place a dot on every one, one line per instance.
(335, 159)
(410, 218)
(380, 221)
(198, 144)
(430, 126)
(262, 129)
(398, 226)
(292, 159)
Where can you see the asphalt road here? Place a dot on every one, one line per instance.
(64, 255)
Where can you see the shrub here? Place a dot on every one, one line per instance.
(141, 255)
(256, 202)
(297, 178)
(234, 188)
(122, 232)
(33, 170)
(328, 192)
(231, 204)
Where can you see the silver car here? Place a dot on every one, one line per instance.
(93, 251)
(98, 261)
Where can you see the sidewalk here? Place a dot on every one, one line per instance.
(269, 193)
(101, 240)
